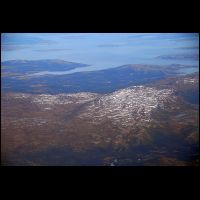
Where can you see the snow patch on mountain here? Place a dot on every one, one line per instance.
(48, 99)
(128, 106)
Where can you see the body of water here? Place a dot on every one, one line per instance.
(98, 67)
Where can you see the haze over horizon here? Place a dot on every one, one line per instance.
(103, 50)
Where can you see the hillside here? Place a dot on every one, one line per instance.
(102, 81)
(139, 125)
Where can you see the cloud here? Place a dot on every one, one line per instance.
(12, 47)
(76, 35)
(166, 36)
(144, 35)
(47, 50)
(22, 39)
(112, 45)
(180, 57)
(192, 47)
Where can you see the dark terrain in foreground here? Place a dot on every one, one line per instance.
(146, 125)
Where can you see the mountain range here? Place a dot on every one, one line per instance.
(18, 76)
(149, 124)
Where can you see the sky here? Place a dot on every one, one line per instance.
(102, 50)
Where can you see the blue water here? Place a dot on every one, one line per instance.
(100, 67)
(188, 70)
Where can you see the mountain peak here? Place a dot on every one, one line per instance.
(129, 105)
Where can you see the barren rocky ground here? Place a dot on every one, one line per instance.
(140, 125)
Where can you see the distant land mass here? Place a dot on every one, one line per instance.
(17, 77)
(180, 57)
(27, 66)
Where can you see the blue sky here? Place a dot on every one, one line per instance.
(100, 50)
